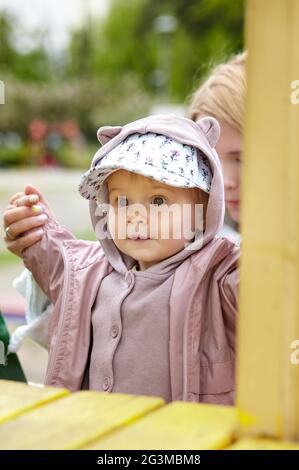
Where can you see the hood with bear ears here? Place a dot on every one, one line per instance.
(203, 135)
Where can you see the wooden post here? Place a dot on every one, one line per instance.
(268, 372)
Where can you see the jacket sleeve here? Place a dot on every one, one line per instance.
(229, 288)
(45, 259)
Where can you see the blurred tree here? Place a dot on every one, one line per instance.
(115, 44)
(88, 101)
(128, 42)
(34, 65)
(114, 65)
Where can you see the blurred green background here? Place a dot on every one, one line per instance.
(114, 68)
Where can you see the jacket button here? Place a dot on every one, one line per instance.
(114, 331)
(106, 384)
(128, 278)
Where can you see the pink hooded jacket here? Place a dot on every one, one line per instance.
(200, 297)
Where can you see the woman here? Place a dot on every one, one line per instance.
(222, 95)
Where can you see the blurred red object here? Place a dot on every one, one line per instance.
(48, 159)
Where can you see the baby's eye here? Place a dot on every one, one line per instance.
(238, 157)
(122, 201)
(158, 200)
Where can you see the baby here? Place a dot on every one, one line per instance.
(151, 308)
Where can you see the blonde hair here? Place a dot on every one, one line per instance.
(222, 94)
(202, 197)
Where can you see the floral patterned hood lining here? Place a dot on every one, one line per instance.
(155, 156)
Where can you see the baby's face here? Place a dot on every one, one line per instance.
(139, 219)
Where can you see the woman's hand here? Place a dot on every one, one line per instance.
(24, 218)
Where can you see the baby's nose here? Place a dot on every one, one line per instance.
(136, 215)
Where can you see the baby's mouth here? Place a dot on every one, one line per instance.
(138, 237)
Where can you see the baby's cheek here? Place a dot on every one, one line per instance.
(176, 226)
(153, 227)
(161, 224)
(117, 223)
(112, 225)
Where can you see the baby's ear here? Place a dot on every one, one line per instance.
(211, 128)
(107, 133)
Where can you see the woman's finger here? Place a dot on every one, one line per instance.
(20, 244)
(24, 225)
(11, 206)
(29, 190)
(26, 200)
(18, 213)
(15, 196)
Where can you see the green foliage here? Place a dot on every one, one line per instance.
(127, 41)
(14, 156)
(34, 65)
(114, 67)
(67, 156)
(91, 102)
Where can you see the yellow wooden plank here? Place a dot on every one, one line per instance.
(74, 421)
(268, 380)
(17, 398)
(263, 444)
(176, 426)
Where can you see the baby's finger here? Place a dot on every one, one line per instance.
(26, 200)
(20, 244)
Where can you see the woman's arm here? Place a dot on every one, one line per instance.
(42, 252)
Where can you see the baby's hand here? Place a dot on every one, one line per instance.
(24, 219)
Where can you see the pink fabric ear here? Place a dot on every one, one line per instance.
(211, 128)
(107, 133)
